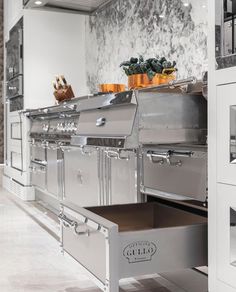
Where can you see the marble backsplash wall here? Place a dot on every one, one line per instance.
(1, 78)
(176, 29)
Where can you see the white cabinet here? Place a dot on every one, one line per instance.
(226, 134)
(53, 44)
(226, 234)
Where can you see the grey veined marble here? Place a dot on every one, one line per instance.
(176, 29)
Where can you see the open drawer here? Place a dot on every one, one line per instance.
(122, 241)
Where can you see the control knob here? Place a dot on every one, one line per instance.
(45, 127)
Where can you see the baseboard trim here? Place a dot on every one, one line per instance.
(25, 193)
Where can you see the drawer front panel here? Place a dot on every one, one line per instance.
(81, 177)
(181, 176)
(162, 250)
(16, 160)
(16, 131)
(38, 175)
(92, 239)
(107, 122)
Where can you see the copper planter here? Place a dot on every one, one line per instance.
(142, 80)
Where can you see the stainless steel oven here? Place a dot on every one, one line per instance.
(109, 122)
(14, 50)
(14, 68)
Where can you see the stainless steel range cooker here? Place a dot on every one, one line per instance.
(120, 151)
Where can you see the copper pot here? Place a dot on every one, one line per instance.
(115, 88)
(142, 80)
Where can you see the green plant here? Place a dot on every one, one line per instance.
(151, 66)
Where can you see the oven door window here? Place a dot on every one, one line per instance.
(225, 33)
(233, 236)
(16, 104)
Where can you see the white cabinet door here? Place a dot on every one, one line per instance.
(226, 134)
(226, 234)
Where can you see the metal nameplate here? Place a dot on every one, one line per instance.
(139, 251)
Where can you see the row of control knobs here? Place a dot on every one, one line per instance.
(69, 127)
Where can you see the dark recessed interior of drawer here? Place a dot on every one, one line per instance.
(147, 216)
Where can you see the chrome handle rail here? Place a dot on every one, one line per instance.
(72, 224)
(163, 157)
(117, 154)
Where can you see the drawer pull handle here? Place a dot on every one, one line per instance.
(163, 157)
(68, 223)
(117, 155)
(86, 152)
(101, 122)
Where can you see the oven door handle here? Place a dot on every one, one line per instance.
(163, 157)
(117, 154)
(112, 154)
(121, 157)
(182, 153)
(87, 151)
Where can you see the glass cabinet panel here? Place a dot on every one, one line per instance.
(233, 134)
(225, 33)
(233, 236)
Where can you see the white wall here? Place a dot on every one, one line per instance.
(54, 43)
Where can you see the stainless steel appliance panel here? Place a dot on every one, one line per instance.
(81, 176)
(38, 151)
(172, 117)
(53, 170)
(112, 122)
(144, 239)
(38, 175)
(180, 173)
(122, 177)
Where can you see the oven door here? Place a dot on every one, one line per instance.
(38, 151)
(179, 173)
(15, 87)
(14, 52)
(81, 176)
(122, 177)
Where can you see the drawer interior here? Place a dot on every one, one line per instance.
(134, 217)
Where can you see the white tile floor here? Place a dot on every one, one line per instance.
(30, 258)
